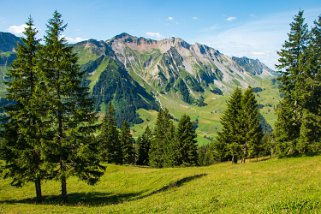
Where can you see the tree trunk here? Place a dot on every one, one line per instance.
(63, 183)
(38, 191)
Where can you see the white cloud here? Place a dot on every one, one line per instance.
(17, 29)
(170, 18)
(260, 38)
(154, 34)
(231, 18)
(195, 18)
(74, 39)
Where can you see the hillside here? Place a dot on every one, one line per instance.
(8, 43)
(139, 75)
(273, 186)
(177, 73)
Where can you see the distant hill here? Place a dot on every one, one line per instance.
(136, 73)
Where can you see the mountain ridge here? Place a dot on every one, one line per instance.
(136, 73)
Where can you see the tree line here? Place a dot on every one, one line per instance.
(165, 146)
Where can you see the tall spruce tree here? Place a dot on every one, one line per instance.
(109, 142)
(127, 142)
(72, 150)
(291, 62)
(309, 141)
(187, 144)
(161, 151)
(22, 129)
(251, 121)
(143, 147)
(232, 134)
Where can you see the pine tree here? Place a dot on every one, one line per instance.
(143, 147)
(310, 133)
(290, 59)
(22, 130)
(309, 141)
(187, 144)
(72, 150)
(127, 143)
(285, 133)
(161, 149)
(291, 63)
(232, 134)
(251, 121)
(110, 145)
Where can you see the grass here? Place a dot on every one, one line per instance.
(209, 115)
(290, 185)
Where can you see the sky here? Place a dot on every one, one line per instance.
(252, 28)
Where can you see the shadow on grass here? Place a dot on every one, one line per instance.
(81, 199)
(173, 185)
(101, 198)
(260, 159)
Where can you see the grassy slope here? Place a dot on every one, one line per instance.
(209, 115)
(286, 185)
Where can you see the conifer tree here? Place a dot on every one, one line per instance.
(232, 134)
(72, 149)
(290, 58)
(110, 146)
(251, 121)
(161, 149)
(171, 146)
(291, 62)
(310, 133)
(143, 147)
(309, 141)
(22, 129)
(187, 144)
(127, 143)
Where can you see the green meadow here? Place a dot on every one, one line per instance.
(290, 185)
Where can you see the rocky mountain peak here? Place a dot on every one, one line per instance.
(176, 42)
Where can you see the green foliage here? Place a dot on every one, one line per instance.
(232, 134)
(143, 147)
(187, 145)
(23, 124)
(161, 151)
(298, 113)
(70, 148)
(251, 122)
(242, 132)
(206, 155)
(310, 132)
(127, 143)
(109, 143)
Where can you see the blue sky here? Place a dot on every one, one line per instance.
(253, 28)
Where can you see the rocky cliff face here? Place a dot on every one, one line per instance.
(132, 72)
(165, 62)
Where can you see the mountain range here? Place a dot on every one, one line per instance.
(138, 75)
